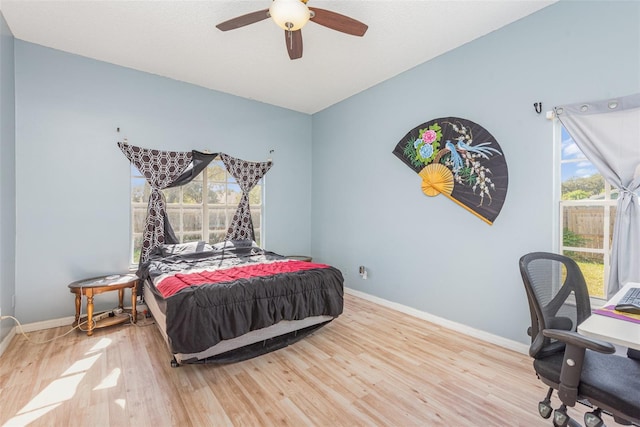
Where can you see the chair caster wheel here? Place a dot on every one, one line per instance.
(545, 409)
(593, 419)
(560, 417)
(174, 363)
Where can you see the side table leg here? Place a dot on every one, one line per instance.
(134, 297)
(120, 298)
(89, 312)
(78, 305)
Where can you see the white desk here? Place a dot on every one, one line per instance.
(615, 331)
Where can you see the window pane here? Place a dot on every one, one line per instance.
(217, 237)
(233, 194)
(174, 219)
(134, 171)
(580, 188)
(218, 219)
(216, 193)
(583, 226)
(192, 193)
(140, 190)
(580, 179)
(191, 238)
(216, 172)
(255, 196)
(172, 195)
(137, 247)
(139, 216)
(592, 267)
(569, 149)
(192, 220)
(256, 217)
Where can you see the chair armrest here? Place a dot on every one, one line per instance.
(575, 347)
(575, 339)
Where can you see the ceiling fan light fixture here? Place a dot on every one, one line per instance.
(290, 15)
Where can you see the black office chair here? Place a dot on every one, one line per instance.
(581, 369)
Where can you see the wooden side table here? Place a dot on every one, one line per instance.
(98, 285)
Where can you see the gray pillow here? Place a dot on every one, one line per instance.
(237, 244)
(186, 248)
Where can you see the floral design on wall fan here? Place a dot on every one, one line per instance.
(423, 150)
(462, 157)
(459, 159)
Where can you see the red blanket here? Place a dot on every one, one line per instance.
(172, 284)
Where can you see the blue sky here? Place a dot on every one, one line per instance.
(578, 166)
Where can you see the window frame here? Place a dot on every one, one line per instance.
(202, 207)
(559, 206)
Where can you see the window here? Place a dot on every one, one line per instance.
(199, 210)
(587, 211)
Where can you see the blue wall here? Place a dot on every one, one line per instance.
(428, 253)
(7, 177)
(73, 181)
(336, 192)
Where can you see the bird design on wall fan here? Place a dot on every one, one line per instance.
(459, 159)
(292, 15)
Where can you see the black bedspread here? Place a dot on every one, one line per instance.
(200, 316)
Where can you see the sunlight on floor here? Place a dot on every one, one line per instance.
(48, 399)
(65, 387)
(109, 381)
(100, 345)
(26, 419)
(120, 402)
(56, 392)
(81, 365)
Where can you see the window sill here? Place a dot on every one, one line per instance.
(597, 303)
(594, 302)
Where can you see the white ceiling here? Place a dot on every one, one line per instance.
(178, 39)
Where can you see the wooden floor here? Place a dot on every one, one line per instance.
(372, 367)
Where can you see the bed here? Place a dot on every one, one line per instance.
(234, 300)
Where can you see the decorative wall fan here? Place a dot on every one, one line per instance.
(292, 15)
(459, 159)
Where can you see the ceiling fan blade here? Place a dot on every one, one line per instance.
(241, 21)
(338, 22)
(294, 43)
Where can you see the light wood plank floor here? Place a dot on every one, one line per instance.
(372, 366)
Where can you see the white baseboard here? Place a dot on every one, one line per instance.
(47, 324)
(458, 327)
(31, 327)
(63, 321)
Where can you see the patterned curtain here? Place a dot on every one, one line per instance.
(247, 174)
(164, 169)
(161, 169)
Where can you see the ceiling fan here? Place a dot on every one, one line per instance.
(292, 15)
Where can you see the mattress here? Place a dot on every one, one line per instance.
(281, 328)
(221, 302)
